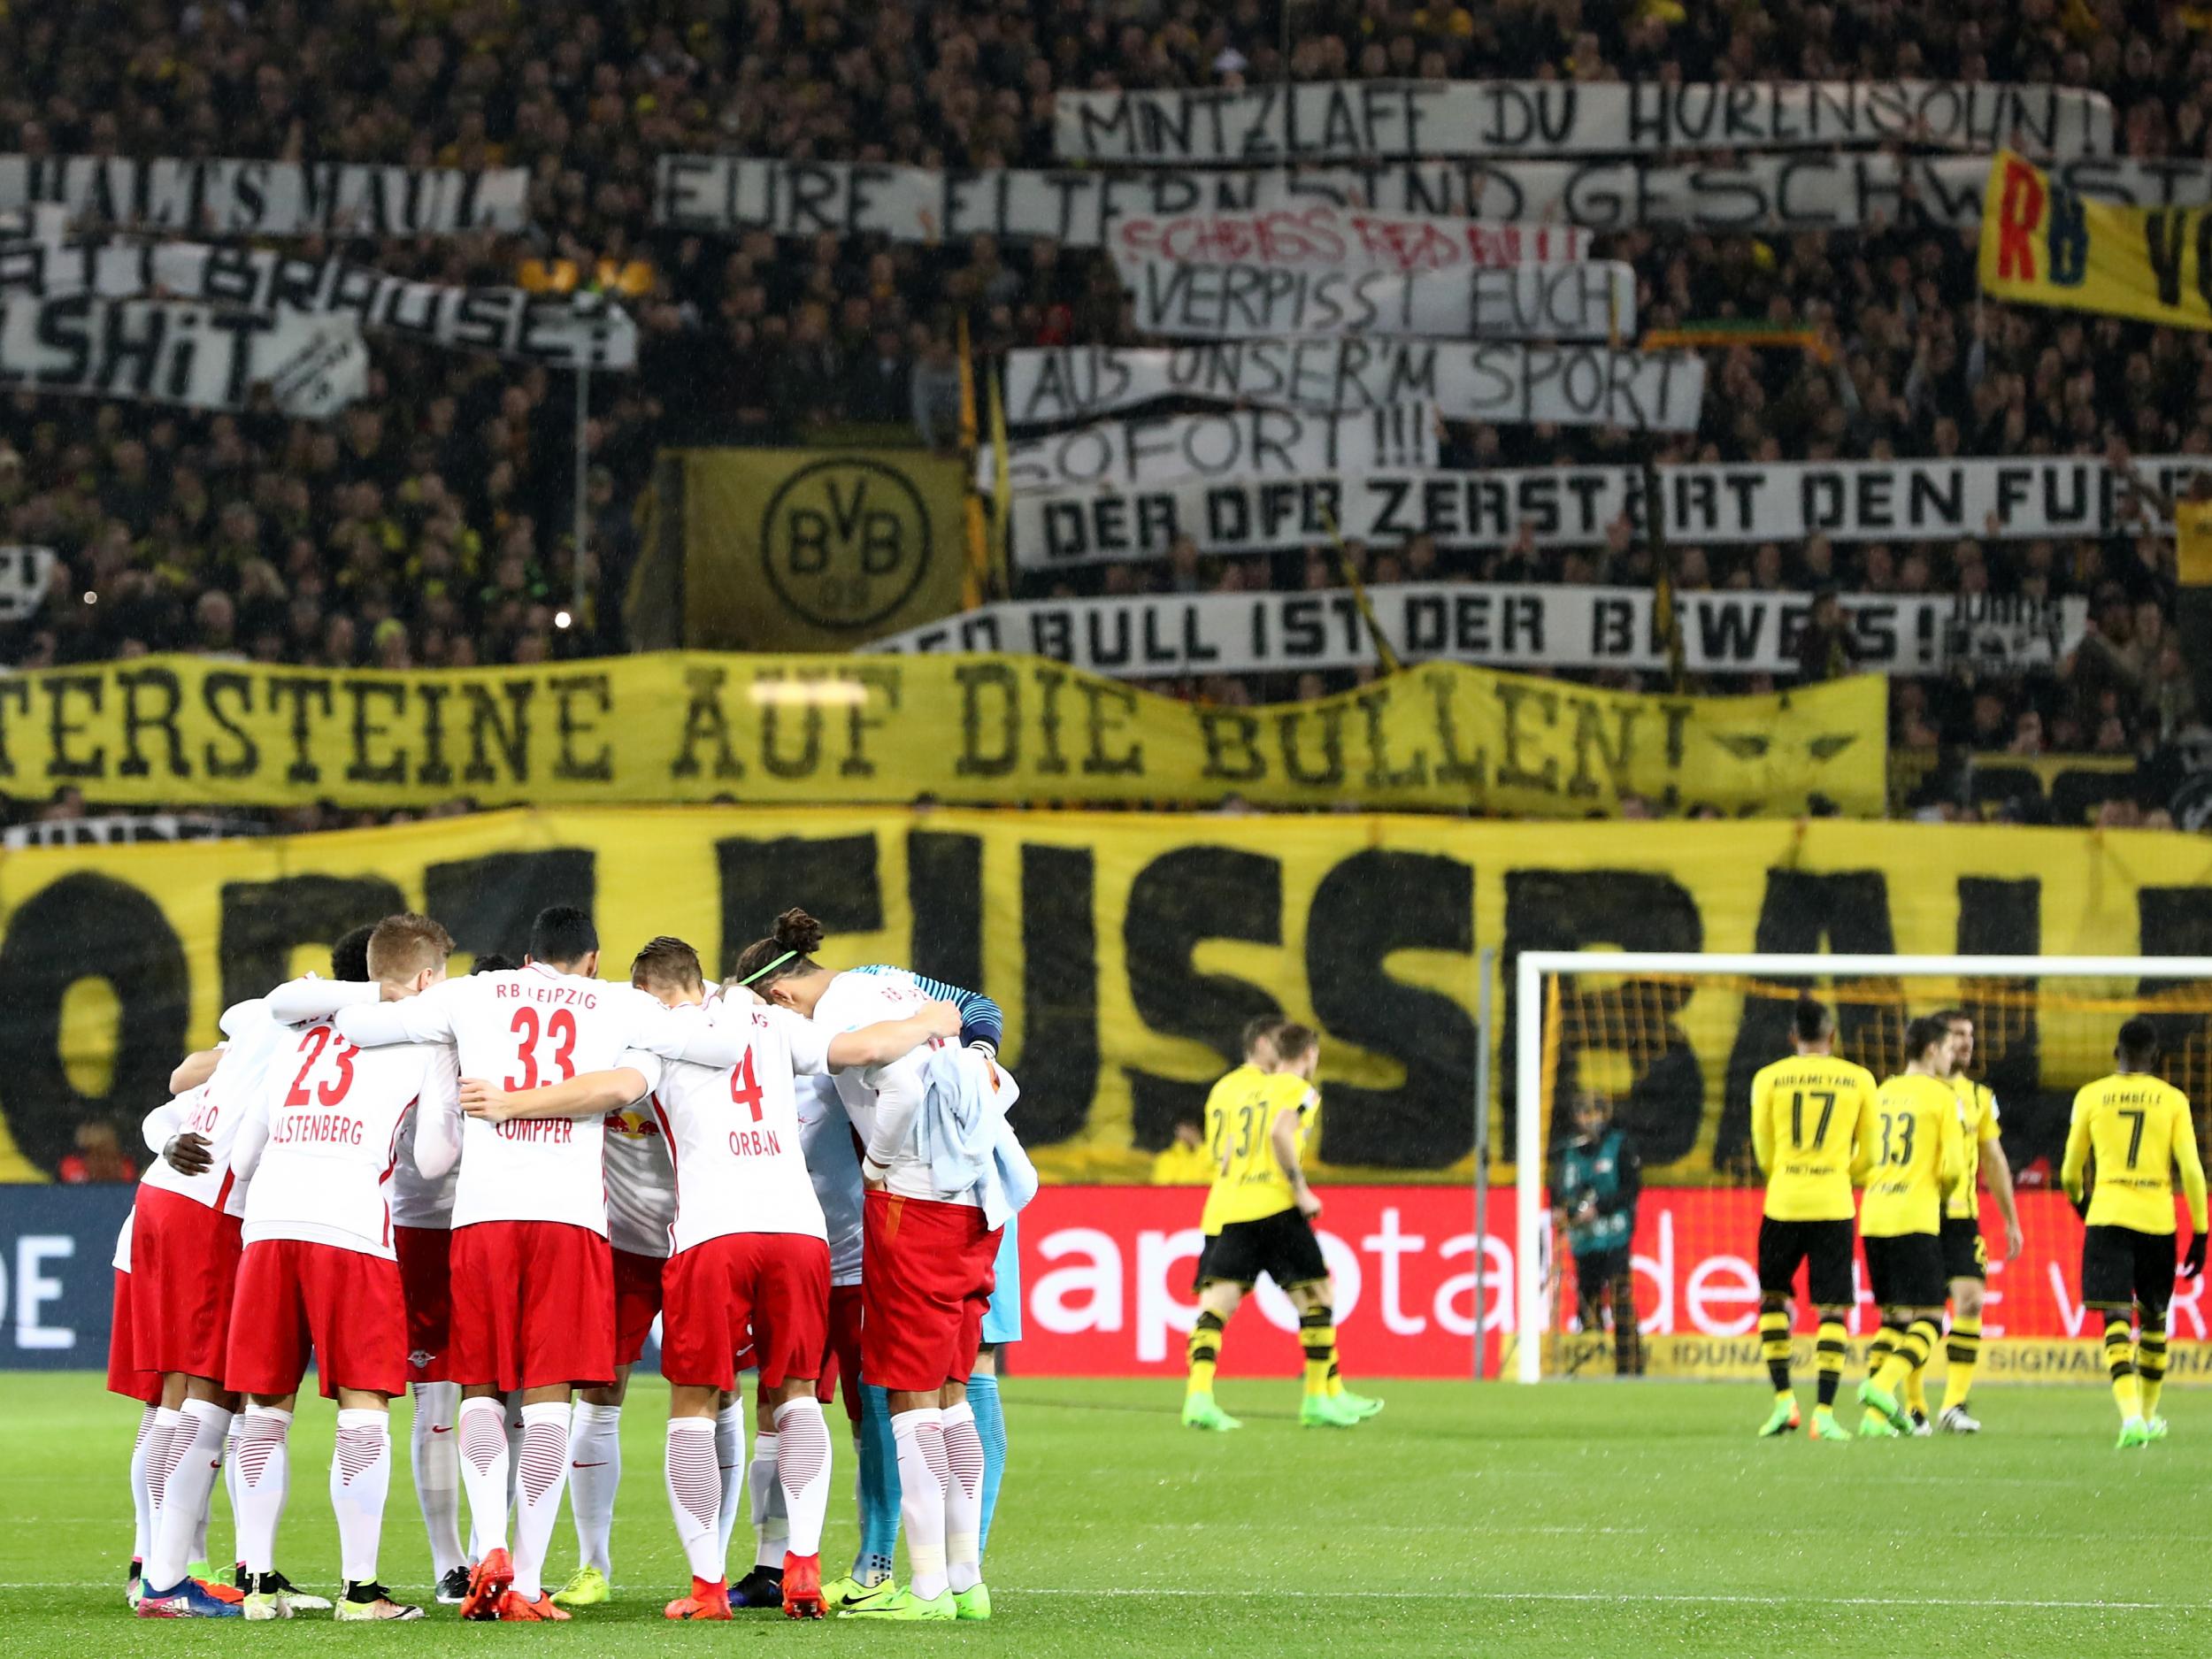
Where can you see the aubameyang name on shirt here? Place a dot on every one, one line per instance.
(582, 994)
(333, 1129)
(554, 1132)
(754, 1143)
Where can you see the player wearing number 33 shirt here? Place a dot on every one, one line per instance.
(533, 1278)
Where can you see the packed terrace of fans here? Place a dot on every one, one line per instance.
(429, 526)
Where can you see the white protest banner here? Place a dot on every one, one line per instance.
(23, 574)
(505, 320)
(1573, 506)
(1594, 300)
(201, 356)
(1228, 443)
(1827, 190)
(1502, 625)
(1340, 120)
(1324, 236)
(228, 197)
(1499, 384)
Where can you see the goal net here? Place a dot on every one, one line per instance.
(1651, 1053)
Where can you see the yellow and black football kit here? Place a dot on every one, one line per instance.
(1965, 1251)
(1912, 1160)
(1251, 1218)
(1809, 1116)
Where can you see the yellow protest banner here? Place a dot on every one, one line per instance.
(817, 550)
(678, 727)
(2044, 244)
(1127, 950)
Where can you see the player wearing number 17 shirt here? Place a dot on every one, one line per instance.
(1809, 1116)
(533, 1303)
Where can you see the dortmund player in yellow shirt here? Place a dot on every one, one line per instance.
(1965, 1252)
(1912, 1161)
(1259, 1220)
(2137, 1128)
(1809, 1116)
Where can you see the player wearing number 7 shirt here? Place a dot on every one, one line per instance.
(532, 1280)
(320, 1145)
(749, 1248)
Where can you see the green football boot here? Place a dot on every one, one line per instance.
(1201, 1412)
(1784, 1420)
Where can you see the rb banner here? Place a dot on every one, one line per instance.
(2045, 244)
(676, 727)
(815, 551)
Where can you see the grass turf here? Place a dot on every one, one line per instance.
(1576, 1519)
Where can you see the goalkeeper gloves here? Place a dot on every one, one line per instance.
(2192, 1263)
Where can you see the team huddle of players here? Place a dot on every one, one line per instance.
(1921, 1145)
(488, 1189)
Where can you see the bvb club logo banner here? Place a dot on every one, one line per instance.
(2045, 244)
(687, 726)
(817, 550)
(1128, 949)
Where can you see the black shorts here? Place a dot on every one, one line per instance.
(1965, 1252)
(1281, 1246)
(2120, 1265)
(1825, 1247)
(1906, 1270)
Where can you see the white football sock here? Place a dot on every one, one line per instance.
(693, 1474)
(160, 1444)
(964, 1498)
(195, 1457)
(729, 1457)
(595, 1473)
(803, 1473)
(265, 1474)
(771, 1527)
(360, 1481)
(230, 1486)
(540, 1478)
(482, 1428)
(437, 1461)
(920, 1436)
(141, 1499)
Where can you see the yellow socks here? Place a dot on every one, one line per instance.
(1963, 1351)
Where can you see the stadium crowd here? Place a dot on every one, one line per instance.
(430, 526)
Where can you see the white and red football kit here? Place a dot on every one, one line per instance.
(641, 1204)
(122, 1377)
(532, 1280)
(750, 1245)
(927, 1256)
(185, 1236)
(422, 1237)
(319, 1271)
(832, 1163)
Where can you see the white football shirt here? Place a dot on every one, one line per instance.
(825, 1135)
(419, 1200)
(321, 1143)
(734, 1129)
(881, 1100)
(219, 1105)
(526, 1028)
(641, 1182)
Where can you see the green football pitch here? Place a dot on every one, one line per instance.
(1576, 1519)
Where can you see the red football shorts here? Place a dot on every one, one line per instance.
(142, 1385)
(777, 1283)
(841, 1354)
(533, 1306)
(925, 1276)
(637, 1303)
(344, 1305)
(426, 1282)
(184, 1263)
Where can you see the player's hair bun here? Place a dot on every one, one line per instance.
(797, 931)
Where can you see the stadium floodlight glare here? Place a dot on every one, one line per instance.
(2051, 1018)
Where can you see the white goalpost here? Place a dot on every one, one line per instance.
(2056, 1027)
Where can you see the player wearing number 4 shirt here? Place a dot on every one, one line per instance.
(749, 1249)
(321, 1143)
(532, 1282)
(1809, 1116)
